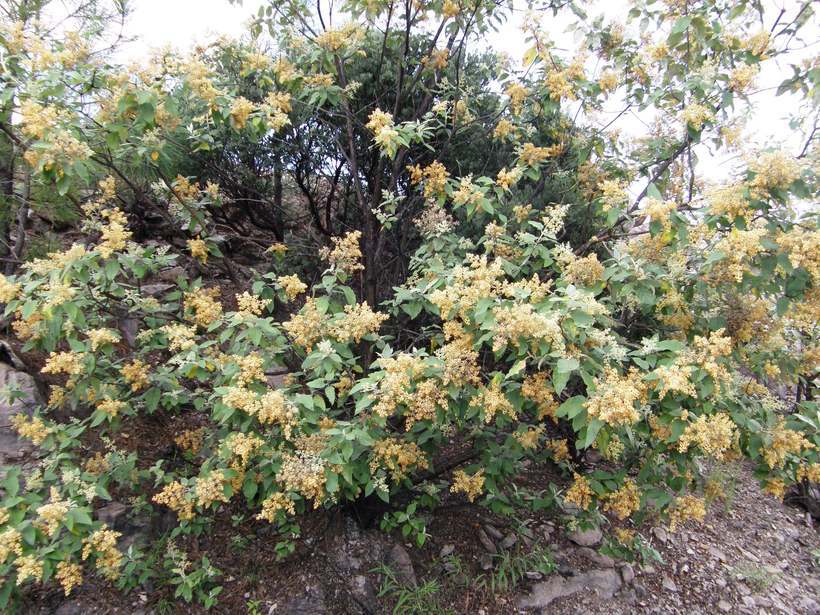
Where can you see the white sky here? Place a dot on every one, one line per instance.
(183, 23)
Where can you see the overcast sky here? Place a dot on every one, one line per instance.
(182, 23)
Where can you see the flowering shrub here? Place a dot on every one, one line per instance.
(652, 341)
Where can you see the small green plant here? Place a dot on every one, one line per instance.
(253, 607)
(512, 568)
(408, 521)
(192, 581)
(757, 577)
(419, 599)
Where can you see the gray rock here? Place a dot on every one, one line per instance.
(603, 583)
(446, 550)
(509, 541)
(12, 447)
(493, 531)
(311, 602)
(661, 534)
(627, 573)
(586, 538)
(364, 592)
(114, 515)
(71, 607)
(534, 575)
(486, 542)
(486, 561)
(399, 561)
(723, 606)
(155, 290)
(604, 561)
(668, 584)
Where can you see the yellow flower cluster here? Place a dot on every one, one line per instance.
(69, 575)
(658, 211)
(803, 248)
(136, 374)
(273, 504)
(28, 567)
(775, 487)
(737, 246)
(112, 407)
(180, 337)
(686, 508)
(559, 449)
(10, 542)
(613, 194)
(70, 363)
(615, 396)
(518, 94)
(394, 387)
(503, 129)
(359, 320)
(783, 441)
(241, 109)
(424, 403)
(468, 286)
(714, 435)
(249, 305)
(304, 473)
(306, 327)
(191, 440)
(173, 495)
(521, 321)
(529, 439)
(773, 171)
(536, 388)
(8, 290)
(243, 445)
(398, 458)
(580, 493)
(470, 485)
(114, 234)
(276, 107)
(491, 400)
(51, 515)
(101, 337)
(34, 429)
(696, 115)
(743, 76)
(250, 368)
(729, 201)
(532, 155)
(103, 543)
(205, 305)
(346, 254)
(674, 378)
(199, 250)
(559, 85)
(586, 271)
(292, 285)
(450, 9)
(97, 465)
(624, 501)
(210, 488)
(758, 43)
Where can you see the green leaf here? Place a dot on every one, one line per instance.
(571, 407)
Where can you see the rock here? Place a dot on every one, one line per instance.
(809, 605)
(493, 531)
(171, 274)
(668, 584)
(446, 550)
(660, 534)
(71, 607)
(748, 601)
(485, 541)
(627, 573)
(723, 606)
(155, 290)
(399, 562)
(534, 575)
(364, 593)
(509, 541)
(593, 456)
(486, 561)
(311, 602)
(640, 590)
(604, 583)
(586, 538)
(717, 553)
(114, 515)
(12, 447)
(604, 561)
